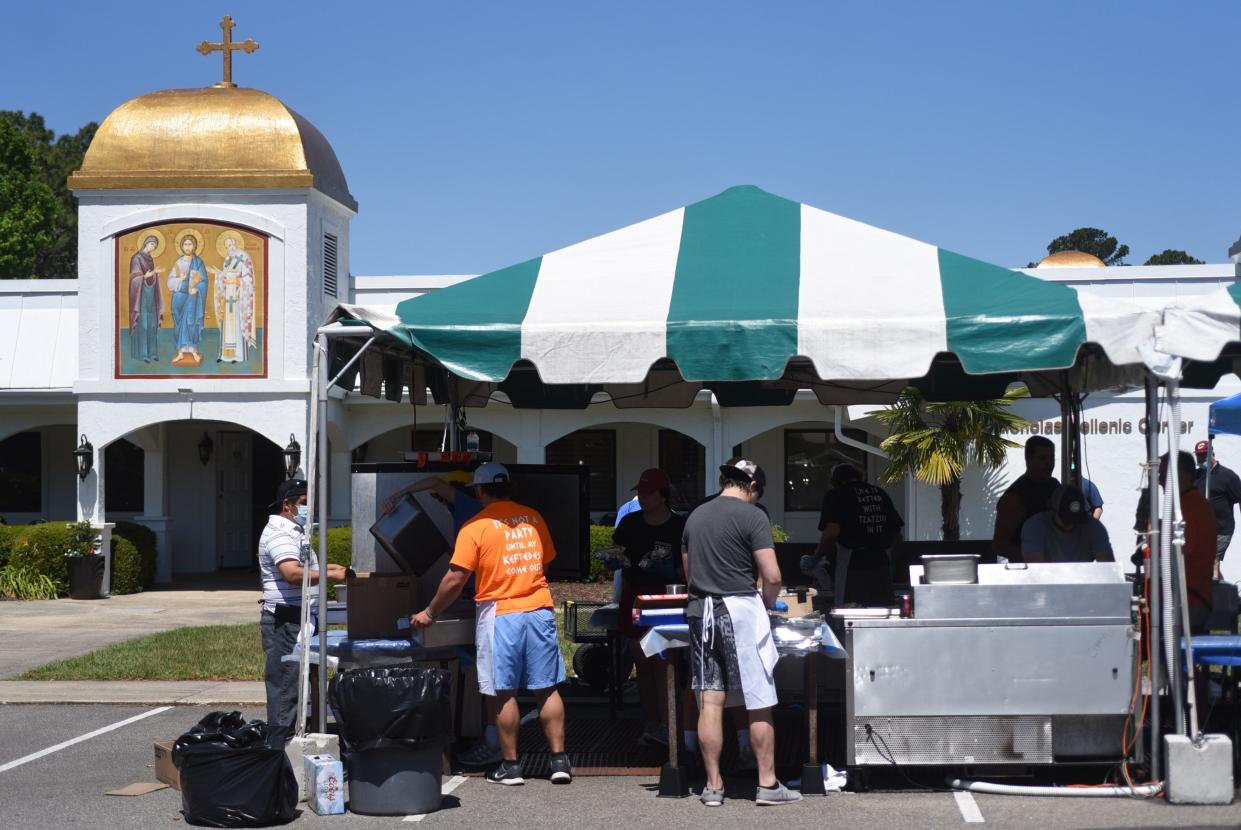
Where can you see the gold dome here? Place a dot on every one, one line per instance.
(216, 137)
(1072, 259)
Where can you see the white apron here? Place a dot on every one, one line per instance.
(484, 646)
(756, 649)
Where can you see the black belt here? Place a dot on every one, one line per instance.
(286, 613)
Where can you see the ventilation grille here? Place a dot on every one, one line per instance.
(330, 265)
(937, 740)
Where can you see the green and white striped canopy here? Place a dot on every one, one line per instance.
(1202, 327)
(736, 286)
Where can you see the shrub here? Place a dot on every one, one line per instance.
(142, 538)
(339, 550)
(600, 537)
(41, 548)
(25, 583)
(126, 566)
(7, 533)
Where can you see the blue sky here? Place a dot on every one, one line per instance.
(477, 134)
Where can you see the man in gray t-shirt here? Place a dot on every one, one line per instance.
(720, 538)
(726, 547)
(1065, 532)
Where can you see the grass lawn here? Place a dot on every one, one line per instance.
(213, 652)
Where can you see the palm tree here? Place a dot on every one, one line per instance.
(933, 442)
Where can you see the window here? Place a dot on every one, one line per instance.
(596, 450)
(683, 459)
(21, 473)
(330, 265)
(122, 465)
(809, 455)
(430, 440)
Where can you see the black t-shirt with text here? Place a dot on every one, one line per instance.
(867, 518)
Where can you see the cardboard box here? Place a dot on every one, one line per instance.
(325, 782)
(377, 602)
(165, 770)
(312, 743)
(798, 607)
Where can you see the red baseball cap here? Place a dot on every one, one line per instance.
(1201, 448)
(651, 480)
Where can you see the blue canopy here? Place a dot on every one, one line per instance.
(1225, 416)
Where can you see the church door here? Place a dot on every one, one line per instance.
(235, 499)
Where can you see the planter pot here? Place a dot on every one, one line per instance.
(86, 577)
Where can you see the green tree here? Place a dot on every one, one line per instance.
(934, 442)
(27, 205)
(41, 235)
(1091, 241)
(1172, 257)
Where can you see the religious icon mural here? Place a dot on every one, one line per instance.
(191, 300)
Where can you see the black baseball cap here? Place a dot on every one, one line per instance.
(289, 490)
(1069, 504)
(745, 472)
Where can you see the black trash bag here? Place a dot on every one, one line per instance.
(231, 777)
(392, 705)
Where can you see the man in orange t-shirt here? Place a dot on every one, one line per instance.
(507, 546)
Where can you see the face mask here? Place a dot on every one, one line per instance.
(303, 513)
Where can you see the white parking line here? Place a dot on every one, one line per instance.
(42, 752)
(453, 783)
(968, 807)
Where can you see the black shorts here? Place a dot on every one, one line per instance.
(714, 665)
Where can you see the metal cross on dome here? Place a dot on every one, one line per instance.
(249, 45)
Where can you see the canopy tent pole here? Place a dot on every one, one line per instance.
(1187, 705)
(317, 490)
(1070, 432)
(304, 633)
(1206, 475)
(322, 472)
(1154, 619)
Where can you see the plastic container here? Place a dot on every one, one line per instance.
(85, 577)
(951, 569)
(396, 780)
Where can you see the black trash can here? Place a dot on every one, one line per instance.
(85, 577)
(394, 724)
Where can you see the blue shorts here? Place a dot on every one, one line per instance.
(517, 651)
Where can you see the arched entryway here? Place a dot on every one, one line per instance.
(202, 486)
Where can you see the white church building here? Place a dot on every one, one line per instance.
(211, 248)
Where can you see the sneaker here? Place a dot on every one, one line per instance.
(507, 773)
(562, 771)
(480, 754)
(712, 798)
(746, 762)
(775, 796)
(653, 734)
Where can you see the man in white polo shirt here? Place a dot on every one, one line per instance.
(280, 562)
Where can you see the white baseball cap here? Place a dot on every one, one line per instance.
(492, 472)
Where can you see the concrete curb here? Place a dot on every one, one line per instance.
(154, 692)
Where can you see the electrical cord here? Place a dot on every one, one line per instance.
(886, 754)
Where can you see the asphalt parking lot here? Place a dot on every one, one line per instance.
(65, 788)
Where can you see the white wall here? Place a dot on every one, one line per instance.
(1111, 460)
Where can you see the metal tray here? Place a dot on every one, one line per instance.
(951, 569)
